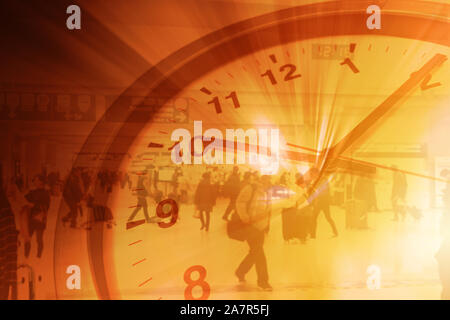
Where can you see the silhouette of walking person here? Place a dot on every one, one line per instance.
(204, 200)
(39, 198)
(141, 193)
(321, 203)
(253, 207)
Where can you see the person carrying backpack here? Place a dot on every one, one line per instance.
(253, 208)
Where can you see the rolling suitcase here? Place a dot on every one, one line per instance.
(296, 223)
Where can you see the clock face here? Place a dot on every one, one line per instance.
(315, 79)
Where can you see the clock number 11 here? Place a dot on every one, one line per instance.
(216, 101)
(231, 96)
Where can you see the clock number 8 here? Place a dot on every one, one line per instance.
(173, 212)
(199, 282)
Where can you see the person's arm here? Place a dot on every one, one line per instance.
(197, 195)
(302, 202)
(298, 199)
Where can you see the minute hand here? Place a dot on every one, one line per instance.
(415, 79)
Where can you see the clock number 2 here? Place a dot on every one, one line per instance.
(206, 289)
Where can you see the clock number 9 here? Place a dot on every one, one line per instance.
(173, 212)
(199, 282)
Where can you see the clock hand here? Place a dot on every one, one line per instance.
(365, 165)
(355, 134)
(415, 79)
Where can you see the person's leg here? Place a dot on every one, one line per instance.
(373, 203)
(228, 210)
(80, 208)
(208, 217)
(402, 208)
(248, 262)
(134, 213)
(27, 245)
(314, 217)
(136, 210)
(326, 211)
(260, 259)
(394, 208)
(40, 240)
(145, 207)
(233, 206)
(73, 215)
(202, 220)
(24, 226)
(66, 218)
